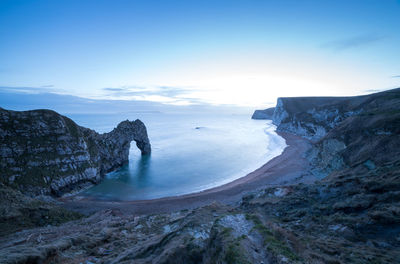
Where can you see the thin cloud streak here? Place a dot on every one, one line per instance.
(28, 89)
(162, 94)
(353, 42)
(114, 89)
(372, 91)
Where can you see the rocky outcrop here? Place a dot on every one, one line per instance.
(311, 117)
(263, 114)
(351, 217)
(43, 152)
(346, 131)
(18, 211)
(314, 117)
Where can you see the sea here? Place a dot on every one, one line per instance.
(194, 147)
(191, 152)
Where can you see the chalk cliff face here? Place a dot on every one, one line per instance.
(314, 117)
(346, 130)
(311, 117)
(43, 152)
(338, 125)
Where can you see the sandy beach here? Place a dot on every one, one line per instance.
(288, 168)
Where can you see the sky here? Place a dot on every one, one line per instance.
(244, 53)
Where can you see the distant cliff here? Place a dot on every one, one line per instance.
(43, 152)
(346, 130)
(313, 117)
(263, 114)
(369, 137)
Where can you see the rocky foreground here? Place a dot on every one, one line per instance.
(352, 215)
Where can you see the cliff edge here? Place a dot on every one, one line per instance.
(346, 131)
(263, 114)
(43, 152)
(314, 117)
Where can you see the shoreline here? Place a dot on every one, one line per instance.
(288, 168)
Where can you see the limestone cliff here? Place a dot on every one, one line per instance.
(311, 117)
(336, 125)
(346, 130)
(314, 117)
(43, 152)
(263, 114)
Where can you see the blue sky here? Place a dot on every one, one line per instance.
(185, 52)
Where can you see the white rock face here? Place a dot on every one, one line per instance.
(325, 157)
(280, 113)
(310, 118)
(239, 224)
(313, 118)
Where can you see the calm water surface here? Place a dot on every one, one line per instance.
(190, 152)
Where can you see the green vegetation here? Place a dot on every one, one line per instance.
(72, 127)
(273, 245)
(234, 254)
(18, 212)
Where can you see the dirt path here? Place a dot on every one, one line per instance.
(289, 167)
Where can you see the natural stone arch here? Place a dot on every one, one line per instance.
(43, 152)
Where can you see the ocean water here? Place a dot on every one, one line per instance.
(191, 152)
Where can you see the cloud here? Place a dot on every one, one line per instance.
(113, 89)
(27, 89)
(167, 91)
(396, 76)
(353, 42)
(125, 88)
(163, 94)
(372, 91)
